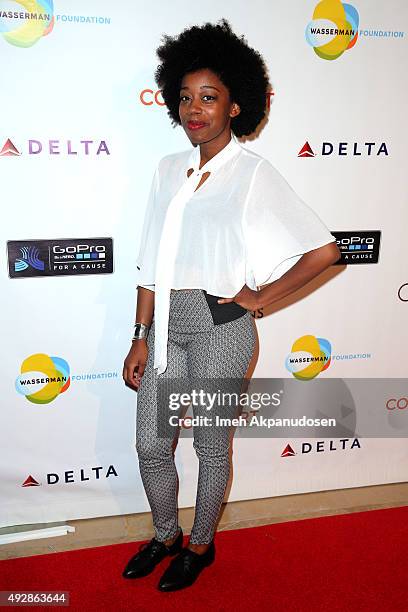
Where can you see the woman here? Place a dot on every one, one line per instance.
(220, 223)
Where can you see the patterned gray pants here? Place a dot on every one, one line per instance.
(198, 349)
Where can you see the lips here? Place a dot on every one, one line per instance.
(195, 125)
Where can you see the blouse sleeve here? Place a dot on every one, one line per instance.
(278, 227)
(145, 277)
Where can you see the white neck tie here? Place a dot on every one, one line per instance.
(169, 242)
(167, 251)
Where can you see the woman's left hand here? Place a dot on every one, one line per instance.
(247, 298)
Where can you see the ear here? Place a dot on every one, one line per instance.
(235, 110)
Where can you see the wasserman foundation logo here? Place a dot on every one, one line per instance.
(43, 378)
(25, 27)
(24, 22)
(308, 357)
(333, 29)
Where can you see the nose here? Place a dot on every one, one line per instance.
(195, 107)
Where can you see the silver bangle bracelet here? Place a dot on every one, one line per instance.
(141, 331)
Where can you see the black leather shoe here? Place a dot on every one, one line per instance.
(185, 568)
(149, 555)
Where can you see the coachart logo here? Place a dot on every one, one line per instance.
(400, 403)
(56, 147)
(36, 19)
(43, 378)
(153, 97)
(311, 355)
(403, 293)
(320, 446)
(81, 475)
(65, 257)
(356, 149)
(358, 247)
(335, 29)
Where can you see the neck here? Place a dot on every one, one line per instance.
(211, 148)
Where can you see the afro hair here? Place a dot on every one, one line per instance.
(217, 48)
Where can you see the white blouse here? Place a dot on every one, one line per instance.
(243, 225)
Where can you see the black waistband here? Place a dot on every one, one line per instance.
(223, 313)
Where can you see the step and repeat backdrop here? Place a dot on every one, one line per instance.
(83, 127)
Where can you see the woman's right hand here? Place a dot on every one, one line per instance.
(135, 363)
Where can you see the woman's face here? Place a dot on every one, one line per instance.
(205, 107)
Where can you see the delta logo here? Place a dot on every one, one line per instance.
(79, 475)
(42, 378)
(56, 147)
(333, 29)
(320, 446)
(309, 356)
(355, 149)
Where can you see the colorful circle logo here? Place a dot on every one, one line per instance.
(309, 356)
(43, 378)
(37, 21)
(333, 29)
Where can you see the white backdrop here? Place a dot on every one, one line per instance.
(84, 81)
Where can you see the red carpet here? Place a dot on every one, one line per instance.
(351, 562)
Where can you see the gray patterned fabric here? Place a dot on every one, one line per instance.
(198, 350)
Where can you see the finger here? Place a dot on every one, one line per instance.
(141, 370)
(129, 382)
(225, 300)
(130, 376)
(136, 378)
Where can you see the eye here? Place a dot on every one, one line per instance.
(209, 98)
(183, 98)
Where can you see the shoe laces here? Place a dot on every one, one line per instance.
(186, 558)
(153, 546)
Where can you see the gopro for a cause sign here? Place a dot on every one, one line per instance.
(60, 257)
